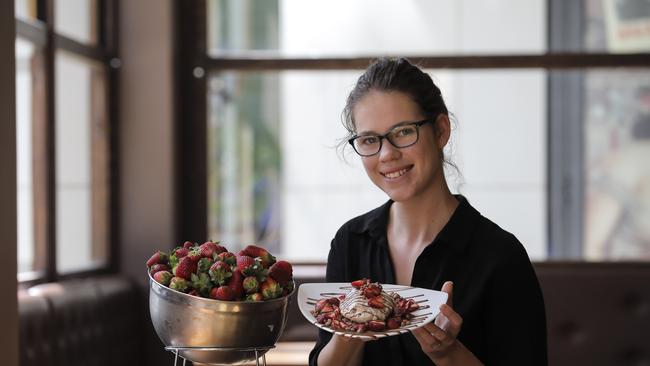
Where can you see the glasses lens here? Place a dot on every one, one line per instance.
(367, 145)
(403, 136)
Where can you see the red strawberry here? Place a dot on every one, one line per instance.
(255, 297)
(270, 289)
(220, 272)
(359, 283)
(157, 257)
(248, 265)
(376, 325)
(281, 271)
(158, 267)
(163, 277)
(179, 284)
(376, 302)
(185, 268)
(251, 284)
(188, 245)
(223, 293)
(227, 257)
(371, 291)
(394, 322)
(255, 252)
(181, 252)
(220, 249)
(208, 250)
(194, 254)
(236, 283)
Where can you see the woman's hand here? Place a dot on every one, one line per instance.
(438, 339)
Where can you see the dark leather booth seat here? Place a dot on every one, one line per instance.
(597, 313)
(90, 322)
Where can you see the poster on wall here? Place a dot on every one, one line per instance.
(628, 25)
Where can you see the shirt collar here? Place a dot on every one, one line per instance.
(457, 232)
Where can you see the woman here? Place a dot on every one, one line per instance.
(426, 237)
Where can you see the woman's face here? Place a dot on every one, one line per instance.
(403, 173)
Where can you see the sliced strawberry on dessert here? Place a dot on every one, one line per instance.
(158, 258)
(376, 302)
(358, 283)
(376, 325)
(281, 271)
(394, 322)
(186, 266)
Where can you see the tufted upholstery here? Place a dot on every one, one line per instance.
(598, 313)
(92, 322)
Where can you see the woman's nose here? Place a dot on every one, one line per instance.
(388, 152)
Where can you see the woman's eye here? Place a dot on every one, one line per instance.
(405, 131)
(369, 140)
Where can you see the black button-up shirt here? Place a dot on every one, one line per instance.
(495, 287)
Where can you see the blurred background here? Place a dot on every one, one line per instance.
(142, 124)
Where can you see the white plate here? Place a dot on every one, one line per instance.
(429, 301)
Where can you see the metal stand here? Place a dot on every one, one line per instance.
(257, 351)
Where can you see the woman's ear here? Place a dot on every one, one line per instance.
(443, 130)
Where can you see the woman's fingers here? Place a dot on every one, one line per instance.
(428, 342)
(454, 320)
(448, 287)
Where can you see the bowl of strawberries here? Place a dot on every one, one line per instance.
(215, 307)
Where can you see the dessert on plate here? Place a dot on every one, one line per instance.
(365, 307)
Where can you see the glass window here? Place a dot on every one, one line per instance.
(344, 28)
(276, 177)
(77, 19)
(617, 26)
(617, 148)
(81, 163)
(25, 52)
(25, 9)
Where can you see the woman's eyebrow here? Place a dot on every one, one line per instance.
(366, 133)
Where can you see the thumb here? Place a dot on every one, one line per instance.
(448, 287)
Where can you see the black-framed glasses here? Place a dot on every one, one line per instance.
(402, 135)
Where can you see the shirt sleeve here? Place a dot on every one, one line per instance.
(516, 319)
(335, 272)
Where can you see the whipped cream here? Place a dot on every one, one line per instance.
(355, 307)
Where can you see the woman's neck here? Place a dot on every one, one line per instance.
(419, 221)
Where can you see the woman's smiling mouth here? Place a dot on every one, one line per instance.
(393, 174)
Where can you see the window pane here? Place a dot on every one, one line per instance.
(275, 177)
(25, 52)
(77, 19)
(341, 27)
(617, 147)
(81, 164)
(25, 9)
(617, 26)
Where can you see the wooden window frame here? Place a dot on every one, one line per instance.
(191, 111)
(41, 33)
